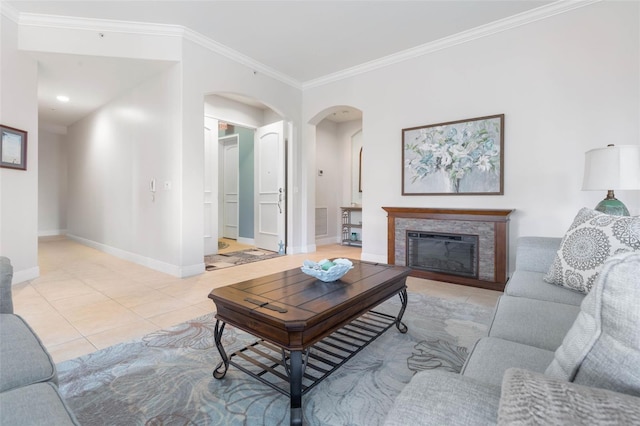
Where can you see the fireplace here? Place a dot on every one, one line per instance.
(468, 247)
(453, 254)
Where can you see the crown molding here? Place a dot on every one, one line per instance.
(501, 25)
(236, 56)
(92, 24)
(142, 28)
(9, 11)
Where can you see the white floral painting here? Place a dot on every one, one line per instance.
(459, 157)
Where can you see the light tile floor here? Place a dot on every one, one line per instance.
(87, 300)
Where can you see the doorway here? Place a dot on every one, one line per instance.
(247, 173)
(338, 174)
(229, 184)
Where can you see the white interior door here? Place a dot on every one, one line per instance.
(210, 210)
(229, 169)
(270, 207)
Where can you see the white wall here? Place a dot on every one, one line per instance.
(206, 72)
(52, 183)
(19, 188)
(566, 84)
(113, 155)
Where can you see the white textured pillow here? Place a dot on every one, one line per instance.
(602, 347)
(592, 238)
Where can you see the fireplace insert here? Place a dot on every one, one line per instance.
(453, 254)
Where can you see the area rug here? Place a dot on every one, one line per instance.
(226, 260)
(166, 378)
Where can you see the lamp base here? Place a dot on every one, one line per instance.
(611, 205)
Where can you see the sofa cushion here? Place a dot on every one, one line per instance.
(538, 323)
(6, 276)
(491, 357)
(23, 358)
(39, 404)
(533, 286)
(602, 348)
(536, 254)
(532, 398)
(435, 397)
(592, 238)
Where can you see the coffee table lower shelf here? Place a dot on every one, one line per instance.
(271, 364)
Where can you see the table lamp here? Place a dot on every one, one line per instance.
(610, 168)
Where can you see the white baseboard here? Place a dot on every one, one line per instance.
(167, 268)
(52, 233)
(25, 275)
(247, 241)
(327, 240)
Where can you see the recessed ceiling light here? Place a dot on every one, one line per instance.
(62, 98)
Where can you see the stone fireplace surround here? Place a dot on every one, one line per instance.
(491, 227)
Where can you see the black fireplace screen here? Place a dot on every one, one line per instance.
(453, 254)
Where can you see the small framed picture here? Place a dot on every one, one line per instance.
(13, 148)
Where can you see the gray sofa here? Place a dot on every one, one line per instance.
(28, 380)
(551, 356)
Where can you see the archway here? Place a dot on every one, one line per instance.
(237, 213)
(339, 140)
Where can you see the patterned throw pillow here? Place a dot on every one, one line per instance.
(592, 238)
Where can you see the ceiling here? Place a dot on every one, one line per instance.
(303, 40)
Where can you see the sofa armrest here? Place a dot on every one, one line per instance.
(6, 276)
(536, 253)
(436, 397)
(533, 398)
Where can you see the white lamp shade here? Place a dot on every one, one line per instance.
(612, 167)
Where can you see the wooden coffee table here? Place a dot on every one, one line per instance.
(306, 328)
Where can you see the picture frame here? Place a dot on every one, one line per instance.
(13, 148)
(464, 157)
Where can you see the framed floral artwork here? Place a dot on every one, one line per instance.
(462, 157)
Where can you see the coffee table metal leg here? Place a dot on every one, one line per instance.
(221, 368)
(295, 383)
(402, 328)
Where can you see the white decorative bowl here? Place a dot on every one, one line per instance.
(334, 273)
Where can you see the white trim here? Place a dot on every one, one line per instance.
(542, 12)
(52, 233)
(189, 271)
(500, 25)
(9, 11)
(327, 240)
(95, 24)
(143, 28)
(309, 248)
(247, 241)
(234, 55)
(25, 275)
(167, 268)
